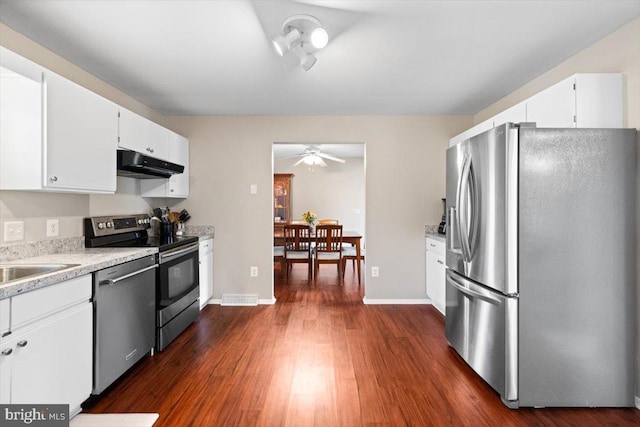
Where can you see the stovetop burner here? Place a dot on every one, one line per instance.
(128, 232)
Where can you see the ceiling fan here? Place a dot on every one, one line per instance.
(312, 156)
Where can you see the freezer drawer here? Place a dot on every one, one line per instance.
(481, 325)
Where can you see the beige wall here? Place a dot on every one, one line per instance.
(405, 161)
(617, 53)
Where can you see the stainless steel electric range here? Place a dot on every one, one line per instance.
(177, 279)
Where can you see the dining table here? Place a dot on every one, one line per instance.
(349, 236)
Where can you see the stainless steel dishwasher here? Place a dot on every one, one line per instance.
(124, 308)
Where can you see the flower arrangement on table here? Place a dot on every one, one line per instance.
(309, 217)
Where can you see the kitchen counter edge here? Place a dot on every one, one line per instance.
(88, 260)
(436, 236)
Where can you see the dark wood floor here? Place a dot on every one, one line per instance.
(319, 357)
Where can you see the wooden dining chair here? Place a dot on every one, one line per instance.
(297, 247)
(349, 253)
(328, 221)
(328, 248)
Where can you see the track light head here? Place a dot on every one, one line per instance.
(283, 43)
(301, 35)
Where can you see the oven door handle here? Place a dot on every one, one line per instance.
(127, 276)
(171, 254)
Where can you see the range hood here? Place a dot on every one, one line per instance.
(136, 165)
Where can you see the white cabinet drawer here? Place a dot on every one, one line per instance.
(436, 246)
(37, 304)
(4, 315)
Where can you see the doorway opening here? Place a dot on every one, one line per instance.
(332, 187)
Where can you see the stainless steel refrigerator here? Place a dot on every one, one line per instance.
(541, 259)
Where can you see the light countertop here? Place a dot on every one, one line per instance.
(436, 236)
(87, 260)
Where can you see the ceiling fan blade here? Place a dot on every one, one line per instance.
(298, 162)
(330, 157)
(295, 156)
(321, 162)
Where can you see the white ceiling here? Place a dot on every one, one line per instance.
(384, 57)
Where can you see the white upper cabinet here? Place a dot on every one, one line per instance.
(580, 101)
(177, 185)
(476, 130)
(554, 107)
(599, 101)
(515, 114)
(81, 137)
(54, 134)
(140, 134)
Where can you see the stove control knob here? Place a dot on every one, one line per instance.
(147, 220)
(101, 225)
(109, 224)
(140, 221)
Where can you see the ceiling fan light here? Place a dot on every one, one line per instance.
(319, 38)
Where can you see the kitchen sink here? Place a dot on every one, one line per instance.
(10, 272)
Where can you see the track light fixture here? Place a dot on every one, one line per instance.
(301, 35)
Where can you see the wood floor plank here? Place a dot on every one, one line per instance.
(320, 357)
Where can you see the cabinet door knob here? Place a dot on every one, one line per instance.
(440, 262)
(53, 179)
(7, 351)
(23, 343)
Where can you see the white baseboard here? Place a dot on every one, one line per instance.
(267, 301)
(637, 402)
(369, 301)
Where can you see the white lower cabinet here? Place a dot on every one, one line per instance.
(435, 256)
(206, 271)
(49, 360)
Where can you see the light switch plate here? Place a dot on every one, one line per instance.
(13, 231)
(254, 188)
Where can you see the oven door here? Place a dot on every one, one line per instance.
(178, 281)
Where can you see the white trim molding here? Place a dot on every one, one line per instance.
(421, 301)
(637, 402)
(261, 301)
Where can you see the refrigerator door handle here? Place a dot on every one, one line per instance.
(453, 230)
(472, 294)
(462, 196)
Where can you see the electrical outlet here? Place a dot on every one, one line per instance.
(375, 271)
(254, 189)
(254, 271)
(53, 227)
(13, 230)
